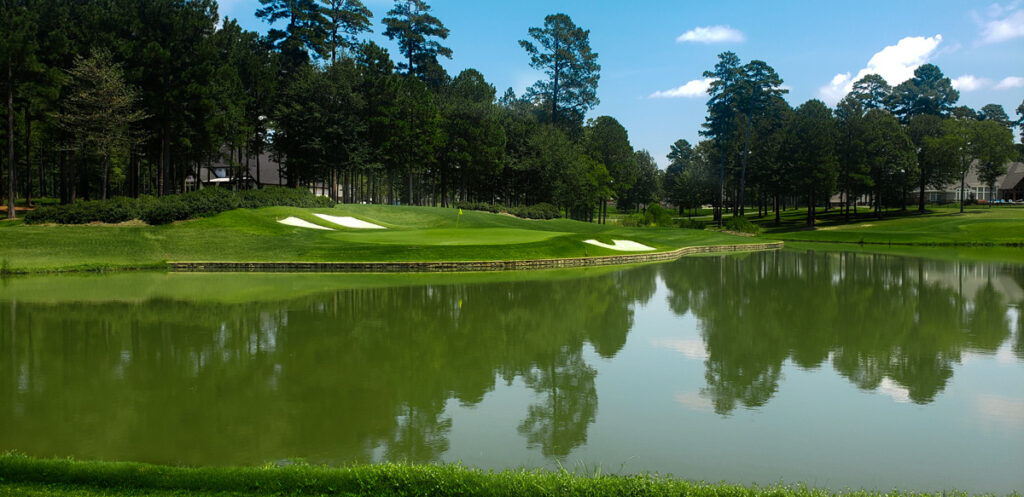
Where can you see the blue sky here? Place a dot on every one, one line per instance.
(652, 53)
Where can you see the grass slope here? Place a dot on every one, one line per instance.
(20, 475)
(940, 226)
(414, 234)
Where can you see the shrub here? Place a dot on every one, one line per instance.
(656, 215)
(170, 208)
(634, 220)
(538, 211)
(692, 224)
(115, 210)
(270, 196)
(742, 225)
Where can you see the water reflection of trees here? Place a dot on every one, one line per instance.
(333, 377)
(349, 375)
(877, 317)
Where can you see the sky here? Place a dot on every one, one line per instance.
(652, 53)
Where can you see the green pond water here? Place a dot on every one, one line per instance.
(832, 369)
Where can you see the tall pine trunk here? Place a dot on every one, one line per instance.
(10, 141)
(28, 159)
(746, 151)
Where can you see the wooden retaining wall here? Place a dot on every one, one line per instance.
(459, 266)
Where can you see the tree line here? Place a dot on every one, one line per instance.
(125, 98)
(881, 144)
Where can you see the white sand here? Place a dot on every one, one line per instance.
(621, 245)
(350, 222)
(301, 223)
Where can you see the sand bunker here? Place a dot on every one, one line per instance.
(350, 222)
(301, 223)
(621, 245)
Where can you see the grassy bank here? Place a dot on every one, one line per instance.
(20, 475)
(939, 226)
(413, 234)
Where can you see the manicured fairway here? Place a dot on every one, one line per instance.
(412, 234)
(979, 225)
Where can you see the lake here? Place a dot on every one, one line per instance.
(832, 369)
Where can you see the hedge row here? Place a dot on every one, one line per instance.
(170, 208)
(538, 211)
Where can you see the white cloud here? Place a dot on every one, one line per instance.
(694, 401)
(890, 388)
(968, 82)
(896, 63)
(694, 88)
(1010, 82)
(691, 348)
(996, 10)
(1003, 28)
(711, 34)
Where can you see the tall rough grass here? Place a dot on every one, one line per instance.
(105, 478)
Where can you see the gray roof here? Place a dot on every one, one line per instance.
(1014, 173)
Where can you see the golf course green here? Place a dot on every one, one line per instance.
(419, 234)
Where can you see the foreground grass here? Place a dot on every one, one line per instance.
(939, 226)
(21, 475)
(414, 234)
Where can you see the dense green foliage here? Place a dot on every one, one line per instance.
(742, 225)
(539, 211)
(26, 476)
(881, 146)
(122, 99)
(170, 208)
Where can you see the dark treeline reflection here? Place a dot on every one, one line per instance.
(338, 377)
(359, 374)
(873, 317)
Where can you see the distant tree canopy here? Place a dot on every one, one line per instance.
(881, 145)
(127, 98)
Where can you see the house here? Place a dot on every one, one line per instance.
(264, 170)
(227, 172)
(1009, 186)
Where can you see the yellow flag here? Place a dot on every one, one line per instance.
(460, 211)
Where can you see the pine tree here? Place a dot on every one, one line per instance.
(412, 25)
(563, 53)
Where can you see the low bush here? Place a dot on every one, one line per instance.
(692, 224)
(742, 225)
(170, 208)
(656, 215)
(633, 220)
(537, 211)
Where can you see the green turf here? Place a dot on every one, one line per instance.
(997, 254)
(413, 234)
(142, 286)
(20, 475)
(941, 226)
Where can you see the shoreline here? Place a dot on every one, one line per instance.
(26, 475)
(463, 266)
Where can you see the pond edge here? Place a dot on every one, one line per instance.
(462, 266)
